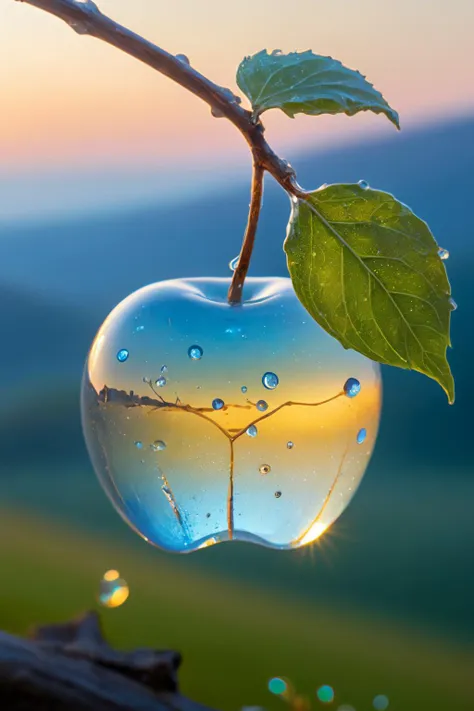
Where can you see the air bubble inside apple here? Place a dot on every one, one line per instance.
(186, 471)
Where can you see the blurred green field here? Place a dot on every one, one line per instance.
(233, 636)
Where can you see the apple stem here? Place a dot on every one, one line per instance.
(234, 295)
(86, 18)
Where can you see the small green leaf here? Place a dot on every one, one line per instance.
(307, 83)
(368, 271)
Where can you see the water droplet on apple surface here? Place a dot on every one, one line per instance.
(352, 387)
(195, 352)
(191, 449)
(270, 381)
(233, 263)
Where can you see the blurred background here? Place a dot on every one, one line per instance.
(111, 177)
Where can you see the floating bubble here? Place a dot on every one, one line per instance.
(290, 445)
(244, 389)
(262, 405)
(158, 445)
(380, 703)
(277, 494)
(352, 387)
(122, 355)
(325, 694)
(138, 444)
(234, 263)
(270, 380)
(195, 352)
(161, 382)
(361, 435)
(277, 686)
(252, 431)
(443, 253)
(265, 469)
(217, 404)
(113, 590)
(363, 184)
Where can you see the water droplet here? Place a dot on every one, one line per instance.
(265, 469)
(161, 382)
(252, 431)
(233, 263)
(122, 355)
(158, 445)
(113, 590)
(262, 405)
(276, 52)
(146, 380)
(244, 388)
(195, 352)
(363, 184)
(277, 686)
(217, 404)
(453, 304)
(183, 58)
(352, 387)
(443, 253)
(270, 380)
(380, 703)
(361, 435)
(208, 515)
(290, 445)
(325, 694)
(217, 113)
(164, 369)
(139, 445)
(277, 494)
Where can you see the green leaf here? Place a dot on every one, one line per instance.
(307, 83)
(368, 271)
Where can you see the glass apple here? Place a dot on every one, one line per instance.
(209, 422)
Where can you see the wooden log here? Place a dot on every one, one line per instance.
(70, 667)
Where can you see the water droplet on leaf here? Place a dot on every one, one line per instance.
(363, 184)
(453, 304)
(443, 253)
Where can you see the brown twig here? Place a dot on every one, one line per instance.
(86, 18)
(235, 290)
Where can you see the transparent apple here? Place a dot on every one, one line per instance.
(207, 422)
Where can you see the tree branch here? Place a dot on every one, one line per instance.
(235, 290)
(86, 18)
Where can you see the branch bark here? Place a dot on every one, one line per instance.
(86, 18)
(71, 668)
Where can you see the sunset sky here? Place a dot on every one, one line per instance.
(85, 125)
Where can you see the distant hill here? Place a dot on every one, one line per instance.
(96, 262)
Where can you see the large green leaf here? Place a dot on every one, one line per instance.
(368, 271)
(307, 83)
